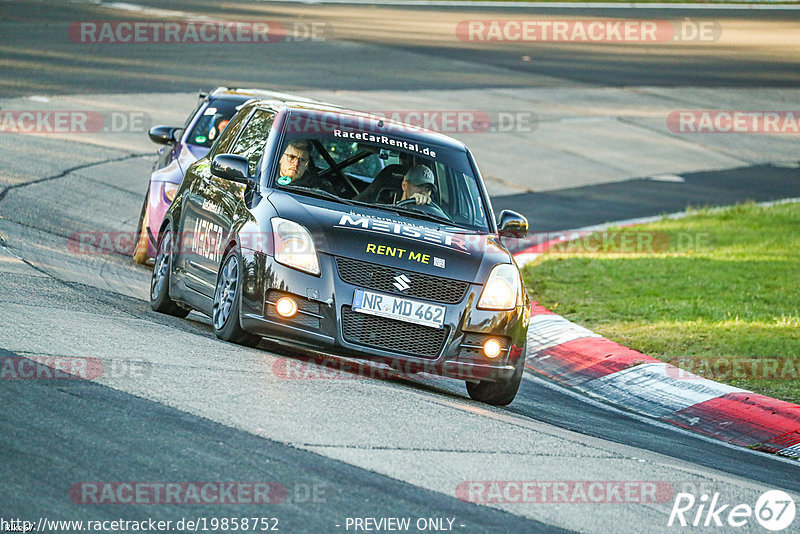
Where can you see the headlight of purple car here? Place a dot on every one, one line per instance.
(170, 190)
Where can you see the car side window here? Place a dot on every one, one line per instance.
(225, 140)
(251, 141)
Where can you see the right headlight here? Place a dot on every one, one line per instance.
(502, 289)
(294, 246)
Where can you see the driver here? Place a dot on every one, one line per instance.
(215, 130)
(418, 184)
(294, 164)
(294, 161)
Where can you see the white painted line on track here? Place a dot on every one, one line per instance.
(673, 178)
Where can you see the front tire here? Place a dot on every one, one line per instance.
(227, 303)
(501, 392)
(159, 282)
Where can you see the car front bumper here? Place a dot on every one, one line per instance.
(325, 322)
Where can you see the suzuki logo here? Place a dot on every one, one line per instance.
(401, 282)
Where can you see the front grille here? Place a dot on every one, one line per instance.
(300, 319)
(423, 286)
(392, 335)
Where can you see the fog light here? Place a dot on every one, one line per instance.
(492, 348)
(286, 307)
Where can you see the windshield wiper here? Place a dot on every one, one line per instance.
(417, 213)
(388, 207)
(319, 193)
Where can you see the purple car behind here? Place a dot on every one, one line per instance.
(183, 146)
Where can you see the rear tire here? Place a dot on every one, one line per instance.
(140, 254)
(159, 282)
(227, 303)
(501, 392)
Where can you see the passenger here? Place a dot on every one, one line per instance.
(418, 184)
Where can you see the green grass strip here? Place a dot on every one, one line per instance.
(716, 292)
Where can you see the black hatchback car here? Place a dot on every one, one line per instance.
(352, 235)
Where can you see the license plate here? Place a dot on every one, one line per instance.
(401, 309)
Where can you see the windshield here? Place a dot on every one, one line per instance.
(385, 171)
(213, 120)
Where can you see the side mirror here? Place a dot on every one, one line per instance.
(164, 135)
(231, 167)
(512, 224)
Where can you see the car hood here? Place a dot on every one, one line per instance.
(386, 238)
(189, 154)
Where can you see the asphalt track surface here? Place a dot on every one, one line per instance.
(56, 432)
(591, 205)
(373, 48)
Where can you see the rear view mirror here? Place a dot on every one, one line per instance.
(164, 135)
(512, 224)
(231, 167)
(363, 147)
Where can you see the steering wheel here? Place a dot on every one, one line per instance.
(333, 167)
(432, 207)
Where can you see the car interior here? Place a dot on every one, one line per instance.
(360, 172)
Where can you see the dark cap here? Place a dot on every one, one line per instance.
(420, 175)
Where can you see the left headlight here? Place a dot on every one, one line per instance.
(294, 246)
(170, 190)
(502, 290)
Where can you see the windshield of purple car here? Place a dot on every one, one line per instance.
(213, 119)
(372, 170)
